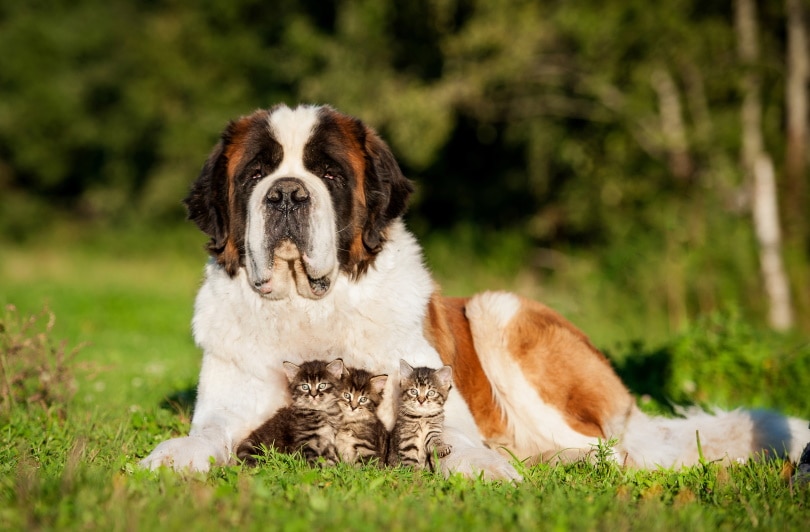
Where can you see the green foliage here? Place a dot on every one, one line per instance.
(722, 360)
(539, 119)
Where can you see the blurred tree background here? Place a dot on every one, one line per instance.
(609, 133)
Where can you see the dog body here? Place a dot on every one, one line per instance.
(310, 259)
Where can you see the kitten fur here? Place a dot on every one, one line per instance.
(308, 423)
(360, 436)
(417, 433)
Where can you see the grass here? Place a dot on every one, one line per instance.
(72, 463)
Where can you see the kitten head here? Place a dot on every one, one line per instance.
(423, 390)
(360, 392)
(312, 384)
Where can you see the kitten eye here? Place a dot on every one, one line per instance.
(347, 396)
(413, 391)
(321, 385)
(431, 393)
(363, 399)
(305, 387)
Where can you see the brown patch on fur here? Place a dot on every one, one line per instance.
(567, 371)
(229, 257)
(448, 330)
(234, 153)
(359, 256)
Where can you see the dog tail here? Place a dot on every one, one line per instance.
(698, 435)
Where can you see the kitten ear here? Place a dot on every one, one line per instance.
(378, 383)
(335, 368)
(445, 376)
(291, 370)
(405, 369)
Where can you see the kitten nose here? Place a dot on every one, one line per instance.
(421, 400)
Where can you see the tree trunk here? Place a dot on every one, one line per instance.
(673, 129)
(758, 168)
(796, 119)
(766, 222)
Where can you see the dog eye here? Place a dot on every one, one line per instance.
(331, 172)
(256, 173)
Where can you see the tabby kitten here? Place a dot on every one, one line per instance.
(306, 425)
(361, 435)
(417, 433)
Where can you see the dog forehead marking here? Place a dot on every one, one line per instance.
(292, 128)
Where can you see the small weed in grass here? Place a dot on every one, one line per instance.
(35, 370)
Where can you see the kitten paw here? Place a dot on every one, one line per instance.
(443, 450)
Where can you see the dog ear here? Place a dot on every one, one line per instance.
(387, 191)
(207, 201)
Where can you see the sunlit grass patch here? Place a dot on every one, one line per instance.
(128, 302)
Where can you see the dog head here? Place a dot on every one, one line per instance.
(297, 197)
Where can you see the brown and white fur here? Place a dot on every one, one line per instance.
(311, 259)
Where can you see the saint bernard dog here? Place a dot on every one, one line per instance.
(311, 259)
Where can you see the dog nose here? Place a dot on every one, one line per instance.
(288, 193)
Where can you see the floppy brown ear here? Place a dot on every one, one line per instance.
(207, 201)
(387, 191)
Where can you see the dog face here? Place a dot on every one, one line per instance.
(297, 197)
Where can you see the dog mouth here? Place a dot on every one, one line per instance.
(290, 264)
(319, 286)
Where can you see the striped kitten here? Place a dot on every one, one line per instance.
(360, 433)
(306, 425)
(417, 433)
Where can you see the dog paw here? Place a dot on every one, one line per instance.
(475, 462)
(190, 453)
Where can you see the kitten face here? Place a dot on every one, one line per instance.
(360, 393)
(424, 390)
(312, 384)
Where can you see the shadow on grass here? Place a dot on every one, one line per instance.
(181, 401)
(647, 372)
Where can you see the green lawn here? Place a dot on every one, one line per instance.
(130, 299)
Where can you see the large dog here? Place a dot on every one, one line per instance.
(310, 259)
